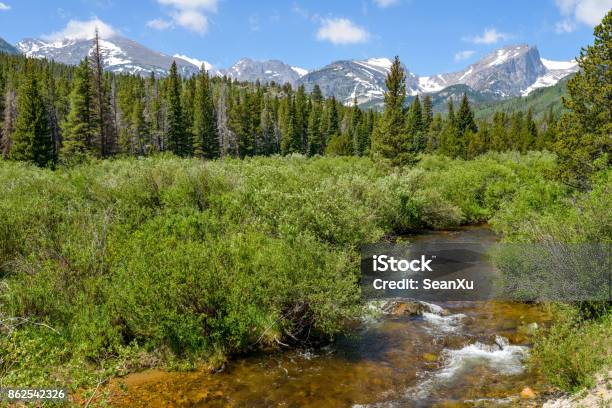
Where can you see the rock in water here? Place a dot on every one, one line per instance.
(528, 393)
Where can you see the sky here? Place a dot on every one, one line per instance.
(429, 36)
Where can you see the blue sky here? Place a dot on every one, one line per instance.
(429, 36)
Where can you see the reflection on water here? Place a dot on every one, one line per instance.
(457, 354)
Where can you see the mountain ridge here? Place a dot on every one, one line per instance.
(510, 71)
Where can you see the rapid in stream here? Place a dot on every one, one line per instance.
(455, 354)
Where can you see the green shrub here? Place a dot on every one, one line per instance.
(573, 350)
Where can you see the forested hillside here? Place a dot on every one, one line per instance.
(52, 113)
(541, 101)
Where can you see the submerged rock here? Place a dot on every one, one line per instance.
(407, 307)
(528, 393)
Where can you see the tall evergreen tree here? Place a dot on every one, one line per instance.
(300, 129)
(529, 132)
(177, 136)
(32, 139)
(206, 137)
(315, 133)
(433, 136)
(465, 116)
(548, 137)
(389, 139)
(584, 142)
(415, 128)
(268, 126)
(8, 124)
(499, 137)
(427, 113)
(79, 128)
(100, 98)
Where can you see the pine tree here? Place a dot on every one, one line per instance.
(268, 126)
(498, 133)
(356, 130)
(548, 137)
(427, 113)
(32, 139)
(529, 132)
(176, 132)
(8, 124)
(477, 143)
(187, 106)
(435, 130)
(138, 126)
(332, 121)
(415, 128)
(584, 143)
(316, 96)
(286, 118)
(78, 130)
(514, 133)
(50, 102)
(206, 137)
(315, 134)
(451, 142)
(100, 97)
(300, 129)
(465, 116)
(450, 114)
(389, 139)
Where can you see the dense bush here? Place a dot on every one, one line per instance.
(577, 344)
(179, 258)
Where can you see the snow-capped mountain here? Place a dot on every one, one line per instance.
(363, 80)
(119, 55)
(510, 71)
(265, 71)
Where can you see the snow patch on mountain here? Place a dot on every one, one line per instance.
(198, 63)
(382, 65)
(569, 65)
(300, 71)
(111, 54)
(556, 71)
(430, 84)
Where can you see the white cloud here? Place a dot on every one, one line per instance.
(341, 31)
(565, 26)
(489, 36)
(159, 24)
(386, 3)
(192, 20)
(189, 14)
(82, 30)
(589, 12)
(463, 55)
(4, 7)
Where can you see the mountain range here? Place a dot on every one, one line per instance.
(511, 71)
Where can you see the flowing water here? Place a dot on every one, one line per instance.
(457, 354)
